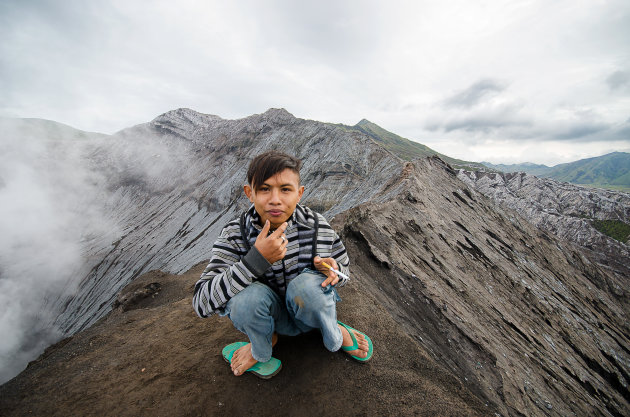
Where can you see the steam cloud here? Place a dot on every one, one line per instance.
(56, 205)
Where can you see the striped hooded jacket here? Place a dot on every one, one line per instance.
(235, 264)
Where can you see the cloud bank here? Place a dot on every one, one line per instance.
(456, 76)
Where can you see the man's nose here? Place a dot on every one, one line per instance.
(275, 197)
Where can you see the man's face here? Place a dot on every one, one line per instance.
(276, 198)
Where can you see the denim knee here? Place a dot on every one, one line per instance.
(314, 306)
(255, 301)
(306, 292)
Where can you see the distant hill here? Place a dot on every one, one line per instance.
(404, 148)
(607, 171)
(532, 169)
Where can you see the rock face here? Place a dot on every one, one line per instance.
(523, 320)
(564, 210)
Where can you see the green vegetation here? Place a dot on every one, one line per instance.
(616, 229)
(404, 148)
(610, 171)
(400, 146)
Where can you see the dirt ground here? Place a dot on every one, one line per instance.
(154, 357)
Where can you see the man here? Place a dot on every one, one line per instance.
(272, 272)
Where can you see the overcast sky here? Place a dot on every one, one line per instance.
(501, 81)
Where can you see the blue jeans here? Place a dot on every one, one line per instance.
(258, 312)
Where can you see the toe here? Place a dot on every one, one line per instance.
(236, 368)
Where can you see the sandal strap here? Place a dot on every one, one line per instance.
(355, 344)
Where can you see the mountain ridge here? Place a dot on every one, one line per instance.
(405, 149)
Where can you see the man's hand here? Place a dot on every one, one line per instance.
(274, 246)
(331, 276)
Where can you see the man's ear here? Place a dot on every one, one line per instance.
(300, 192)
(248, 192)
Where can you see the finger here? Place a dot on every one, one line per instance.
(279, 231)
(332, 262)
(264, 231)
(331, 278)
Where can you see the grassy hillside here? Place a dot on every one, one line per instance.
(612, 169)
(608, 171)
(404, 148)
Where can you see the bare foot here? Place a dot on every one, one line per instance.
(362, 351)
(242, 359)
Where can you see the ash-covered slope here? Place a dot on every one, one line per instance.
(524, 319)
(155, 357)
(567, 211)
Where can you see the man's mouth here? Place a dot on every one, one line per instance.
(275, 213)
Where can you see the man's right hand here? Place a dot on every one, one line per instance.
(274, 246)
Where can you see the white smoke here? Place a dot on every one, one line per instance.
(47, 208)
(59, 206)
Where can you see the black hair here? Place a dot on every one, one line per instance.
(268, 164)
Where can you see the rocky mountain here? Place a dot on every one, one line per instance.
(567, 211)
(469, 303)
(606, 171)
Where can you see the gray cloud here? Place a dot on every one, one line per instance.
(482, 124)
(487, 118)
(474, 94)
(581, 130)
(109, 65)
(329, 31)
(619, 80)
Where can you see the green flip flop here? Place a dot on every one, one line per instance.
(355, 345)
(264, 370)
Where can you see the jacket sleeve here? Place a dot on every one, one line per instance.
(227, 274)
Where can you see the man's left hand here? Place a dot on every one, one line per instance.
(331, 276)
